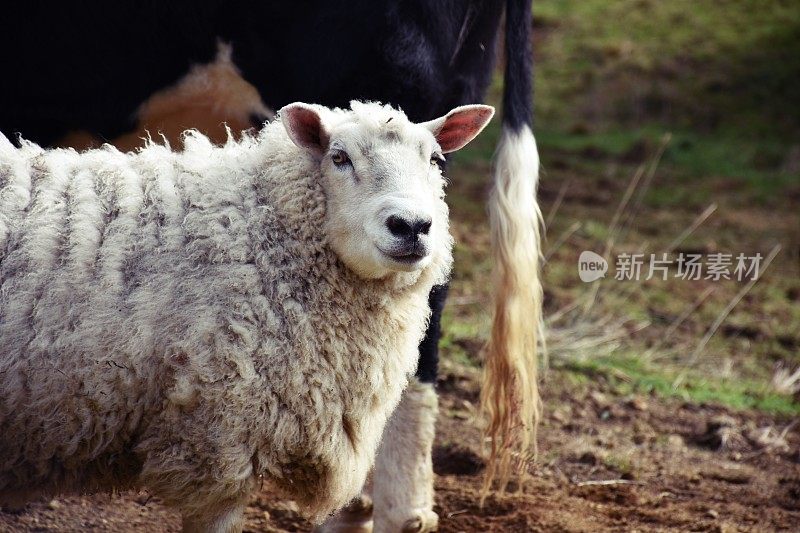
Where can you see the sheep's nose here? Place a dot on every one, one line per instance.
(409, 229)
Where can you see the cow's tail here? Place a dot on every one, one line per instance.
(510, 394)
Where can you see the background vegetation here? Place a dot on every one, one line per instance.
(716, 86)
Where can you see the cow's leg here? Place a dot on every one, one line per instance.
(402, 490)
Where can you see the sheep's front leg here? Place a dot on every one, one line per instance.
(402, 488)
(225, 520)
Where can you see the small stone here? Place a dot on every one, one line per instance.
(712, 513)
(143, 498)
(266, 516)
(54, 505)
(560, 415)
(675, 442)
(638, 404)
(599, 398)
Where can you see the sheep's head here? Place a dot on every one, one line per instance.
(382, 176)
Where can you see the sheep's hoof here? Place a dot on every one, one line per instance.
(355, 518)
(423, 522)
(360, 506)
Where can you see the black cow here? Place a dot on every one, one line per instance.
(89, 65)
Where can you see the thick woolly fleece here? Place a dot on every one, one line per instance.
(179, 321)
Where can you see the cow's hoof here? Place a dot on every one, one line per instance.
(422, 522)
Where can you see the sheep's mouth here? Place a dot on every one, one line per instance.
(407, 257)
(410, 259)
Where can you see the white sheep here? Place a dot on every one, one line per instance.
(197, 323)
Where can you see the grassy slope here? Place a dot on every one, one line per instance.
(722, 76)
(612, 78)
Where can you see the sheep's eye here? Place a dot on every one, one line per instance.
(438, 160)
(339, 158)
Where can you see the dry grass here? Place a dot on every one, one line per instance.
(598, 324)
(785, 381)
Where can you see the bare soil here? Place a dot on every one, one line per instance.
(670, 466)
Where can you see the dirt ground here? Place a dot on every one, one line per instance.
(672, 466)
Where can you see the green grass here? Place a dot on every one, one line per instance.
(703, 63)
(754, 167)
(642, 377)
(722, 77)
(462, 335)
(612, 143)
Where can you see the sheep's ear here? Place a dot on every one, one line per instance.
(459, 126)
(305, 127)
